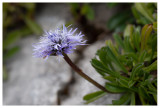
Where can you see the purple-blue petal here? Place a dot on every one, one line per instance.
(58, 42)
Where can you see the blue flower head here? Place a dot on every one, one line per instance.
(58, 42)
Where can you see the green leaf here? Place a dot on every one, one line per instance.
(93, 96)
(151, 67)
(105, 59)
(155, 97)
(111, 5)
(118, 40)
(128, 38)
(99, 66)
(153, 46)
(110, 78)
(74, 8)
(33, 25)
(135, 13)
(115, 60)
(11, 52)
(146, 81)
(143, 95)
(140, 19)
(87, 11)
(142, 56)
(131, 83)
(152, 88)
(128, 47)
(136, 39)
(132, 55)
(113, 48)
(154, 43)
(29, 6)
(123, 100)
(141, 7)
(133, 99)
(135, 70)
(13, 36)
(100, 71)
(145, 33)
(153, 93)
(115, 88)
(119, 19)
(155, 26)
(142, 100)
(128, 31)
(123, 82)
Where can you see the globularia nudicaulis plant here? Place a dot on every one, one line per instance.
(129, 66)
(60, 43)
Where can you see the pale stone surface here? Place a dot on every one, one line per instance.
(33, 81)
(103, 10)
(53, 15)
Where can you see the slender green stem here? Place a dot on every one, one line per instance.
(79, 71)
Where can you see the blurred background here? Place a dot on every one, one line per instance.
(32, 81)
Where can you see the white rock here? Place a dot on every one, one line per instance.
(33, 81)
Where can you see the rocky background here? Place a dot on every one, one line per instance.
(34, 81)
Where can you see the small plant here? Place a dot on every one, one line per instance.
(129, 66)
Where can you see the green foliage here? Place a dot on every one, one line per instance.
(130, 71)
(130, 65)
(142, 8)
(85, 10)
(145, 12)
(17, 22)
(34, 27)
(14, 36)
(10, 52)
(75, 7)
(111, 5)
(93, 96)
(118, 21)
(124, 100)
(115, 88)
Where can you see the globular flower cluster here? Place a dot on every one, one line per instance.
(58, 42)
